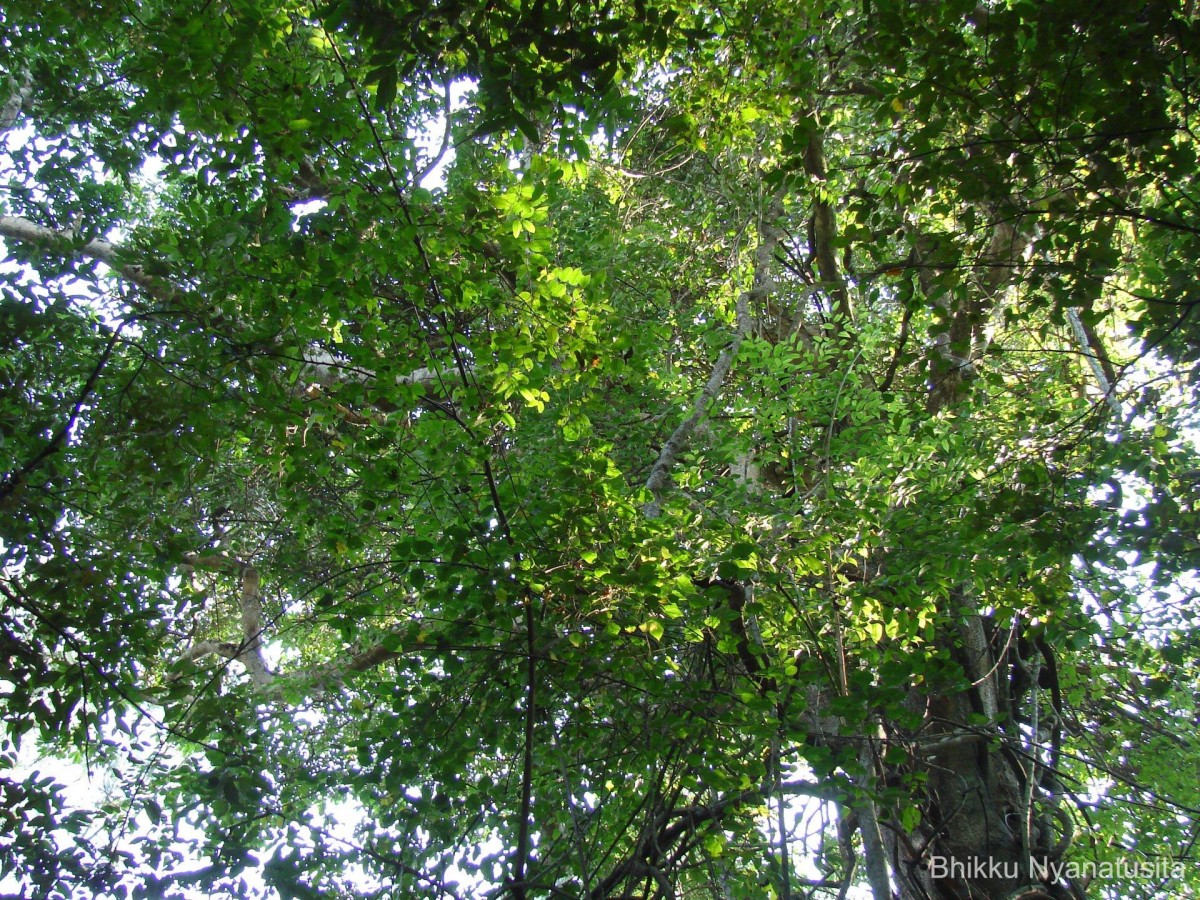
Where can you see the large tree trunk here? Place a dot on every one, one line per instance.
(983, 832)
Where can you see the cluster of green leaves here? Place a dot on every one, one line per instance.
(423, 411)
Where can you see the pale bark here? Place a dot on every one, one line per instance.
(319, 365)
(1097, 368)
(770, 236)
(249, 652)
(874, 856)
(10, 112)
(18, 229)
(325, 369)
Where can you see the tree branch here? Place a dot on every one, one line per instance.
(323, 368)
(250, 651)
(824, 228)
(770, 236)
(437, 158)
(319, 365)
(11, 110)
(1102, 379)
(13, 480)
(671, 826)
(97, 249)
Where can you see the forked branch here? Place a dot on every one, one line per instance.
(249, 652)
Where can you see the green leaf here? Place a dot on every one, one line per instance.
(653, 628)
(385, 90)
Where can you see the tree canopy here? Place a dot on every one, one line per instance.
(550, 449)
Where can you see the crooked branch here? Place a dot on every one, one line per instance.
(97, 249)
(770, 236)
(250, 651)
